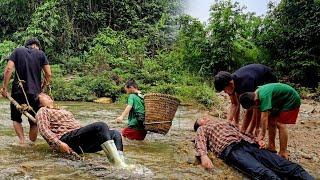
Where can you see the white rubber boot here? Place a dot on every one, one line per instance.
(113, 155)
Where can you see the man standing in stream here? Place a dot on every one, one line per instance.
(27, 62)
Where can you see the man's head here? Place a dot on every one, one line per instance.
(131, 86)
(200, 122)
(33, 43)
(248, 100)
(45, 100)
(223, 81)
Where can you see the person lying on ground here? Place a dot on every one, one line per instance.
(135, 109)
(241, 151)
(245, 79)
(279, 105)
(65, 134)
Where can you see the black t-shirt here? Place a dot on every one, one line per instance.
(248, 78)
(28, 64)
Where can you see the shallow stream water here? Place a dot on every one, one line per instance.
(158, 157)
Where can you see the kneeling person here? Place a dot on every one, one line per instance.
(242, 151)
(64, 133)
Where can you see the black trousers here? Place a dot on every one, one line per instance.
(89, 138)
(261, 163)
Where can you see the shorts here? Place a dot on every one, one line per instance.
(20, 98)
(134, 134)
(288, 117)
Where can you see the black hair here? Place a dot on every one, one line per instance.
(196, 125)
(131, 83)
(31, 41)
(221, 80)
(247, 100)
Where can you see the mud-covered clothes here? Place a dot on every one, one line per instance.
(248, 78)
(136, 114)
(59, 125)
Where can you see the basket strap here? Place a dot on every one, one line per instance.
(162, 122)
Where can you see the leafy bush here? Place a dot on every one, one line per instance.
(6, 48)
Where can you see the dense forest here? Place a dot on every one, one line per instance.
(94, 46)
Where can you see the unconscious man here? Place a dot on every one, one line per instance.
(65, 134)
(242, 152)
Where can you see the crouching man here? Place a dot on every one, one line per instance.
(242, 152)
(65, 134)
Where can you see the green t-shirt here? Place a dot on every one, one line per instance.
(136, 115)
(277, 97)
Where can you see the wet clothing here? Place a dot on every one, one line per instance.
(134, 134)
(238, 150)
(216, 136)
(278, 97)
(53, 123)
(261, 163)
(248, 78)
(20, 98)
(136, 114)
(89, 138)
(28, 64)
(56, 125)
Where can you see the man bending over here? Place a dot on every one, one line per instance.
(65, 134)
(242, 151)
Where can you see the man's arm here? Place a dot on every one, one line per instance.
(124, 114)
(7, 75)
(201, 149)
(264, 125)
(234, 110)
(47, 76)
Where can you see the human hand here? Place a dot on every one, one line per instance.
(262, 144)
(64, 148)
(4, 92)
(206, 162)
(119, 119)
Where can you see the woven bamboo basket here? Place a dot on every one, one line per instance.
(159, 112)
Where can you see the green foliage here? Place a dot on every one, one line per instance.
(290, 34)
(6, 48)
(51, 25)
(225, 44)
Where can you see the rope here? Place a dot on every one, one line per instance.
(20, 84)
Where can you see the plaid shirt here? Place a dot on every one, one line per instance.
(216, 136)
(53, 123)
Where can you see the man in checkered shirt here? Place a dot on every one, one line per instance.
(241, 151)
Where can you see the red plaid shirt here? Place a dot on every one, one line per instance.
(216, 136)
(53, 123)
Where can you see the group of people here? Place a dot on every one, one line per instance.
(58, 126)
(254, 86)
(269, 105)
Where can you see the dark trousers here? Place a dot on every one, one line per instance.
(89, 138)
(261, 163)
